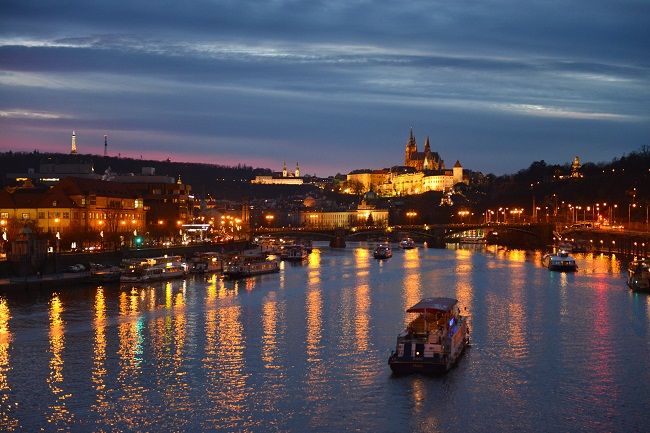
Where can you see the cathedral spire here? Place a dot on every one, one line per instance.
(411, 147)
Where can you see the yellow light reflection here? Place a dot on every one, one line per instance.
(230, 366)
(464, 288)
(362, 322)
(313, 306)
(98, 374)
(132, 405)
(7, 421)
(59, 415)
(269, 323)
(412, 290)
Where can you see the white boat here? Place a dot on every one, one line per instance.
(294, 253)
(246, 266)
(433, 341)
(407, 244)
(383, 251)
(153, 269)
(638, 278)
(561, 261)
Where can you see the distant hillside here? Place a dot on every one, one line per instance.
(208, 178)
(622, 180)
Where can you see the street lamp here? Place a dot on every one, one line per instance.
(462, 214)
(269, 219)
(410, 215)
(629, 214)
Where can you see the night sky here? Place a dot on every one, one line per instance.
(335, 85)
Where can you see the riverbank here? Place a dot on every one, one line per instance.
(54, 275)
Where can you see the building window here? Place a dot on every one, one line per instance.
(4, 215)
(53, 203)
(83, 201)
(41, 215)
(66, 215)
(25, 216)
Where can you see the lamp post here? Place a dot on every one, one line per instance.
(629, 214)
(462, 214)
(410, 215)
(269, 219)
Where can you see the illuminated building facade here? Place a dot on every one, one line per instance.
(281, 178)
(421, 172)
(363, 215)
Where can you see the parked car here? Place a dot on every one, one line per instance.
(76, 268)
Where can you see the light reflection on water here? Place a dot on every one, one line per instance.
(7, 420)
(59, 415)
(306, 349)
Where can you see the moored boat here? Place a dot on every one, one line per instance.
(153, 269)
(383, 251)
(638, 275)
(561, 262)
(407, 244)
(433, 341)
(105, 274)
(203, 263)
(293, 253)
(246, 266)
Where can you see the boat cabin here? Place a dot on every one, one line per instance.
(433, 340)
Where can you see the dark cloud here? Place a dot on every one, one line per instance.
(334, 84)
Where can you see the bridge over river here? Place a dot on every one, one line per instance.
(517, 235)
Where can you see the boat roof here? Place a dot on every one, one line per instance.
(433, 304)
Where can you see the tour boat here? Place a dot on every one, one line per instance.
(246, 266)
(433, 341)
(638, 277)
(561, 261)
(407, 244)
(203, 263)
(294, 253)
(153, 269)
(383, 251)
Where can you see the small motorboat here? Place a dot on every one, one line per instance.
(433, 341)
(561, 262)
(407, 244)
(638, 276)
(383, 251)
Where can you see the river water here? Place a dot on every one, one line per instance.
(306, 349)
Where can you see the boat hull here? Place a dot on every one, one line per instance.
(562, 268)
(432, 366)
(243, 274)
(400, 368)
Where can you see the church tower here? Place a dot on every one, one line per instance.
(297, 172)
(411, 148)
(428, 162)
(458, 172)
(73, 149)
(284, 169)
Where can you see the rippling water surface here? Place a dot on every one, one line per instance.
(306, 349)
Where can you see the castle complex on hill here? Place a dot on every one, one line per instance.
(422, 171)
